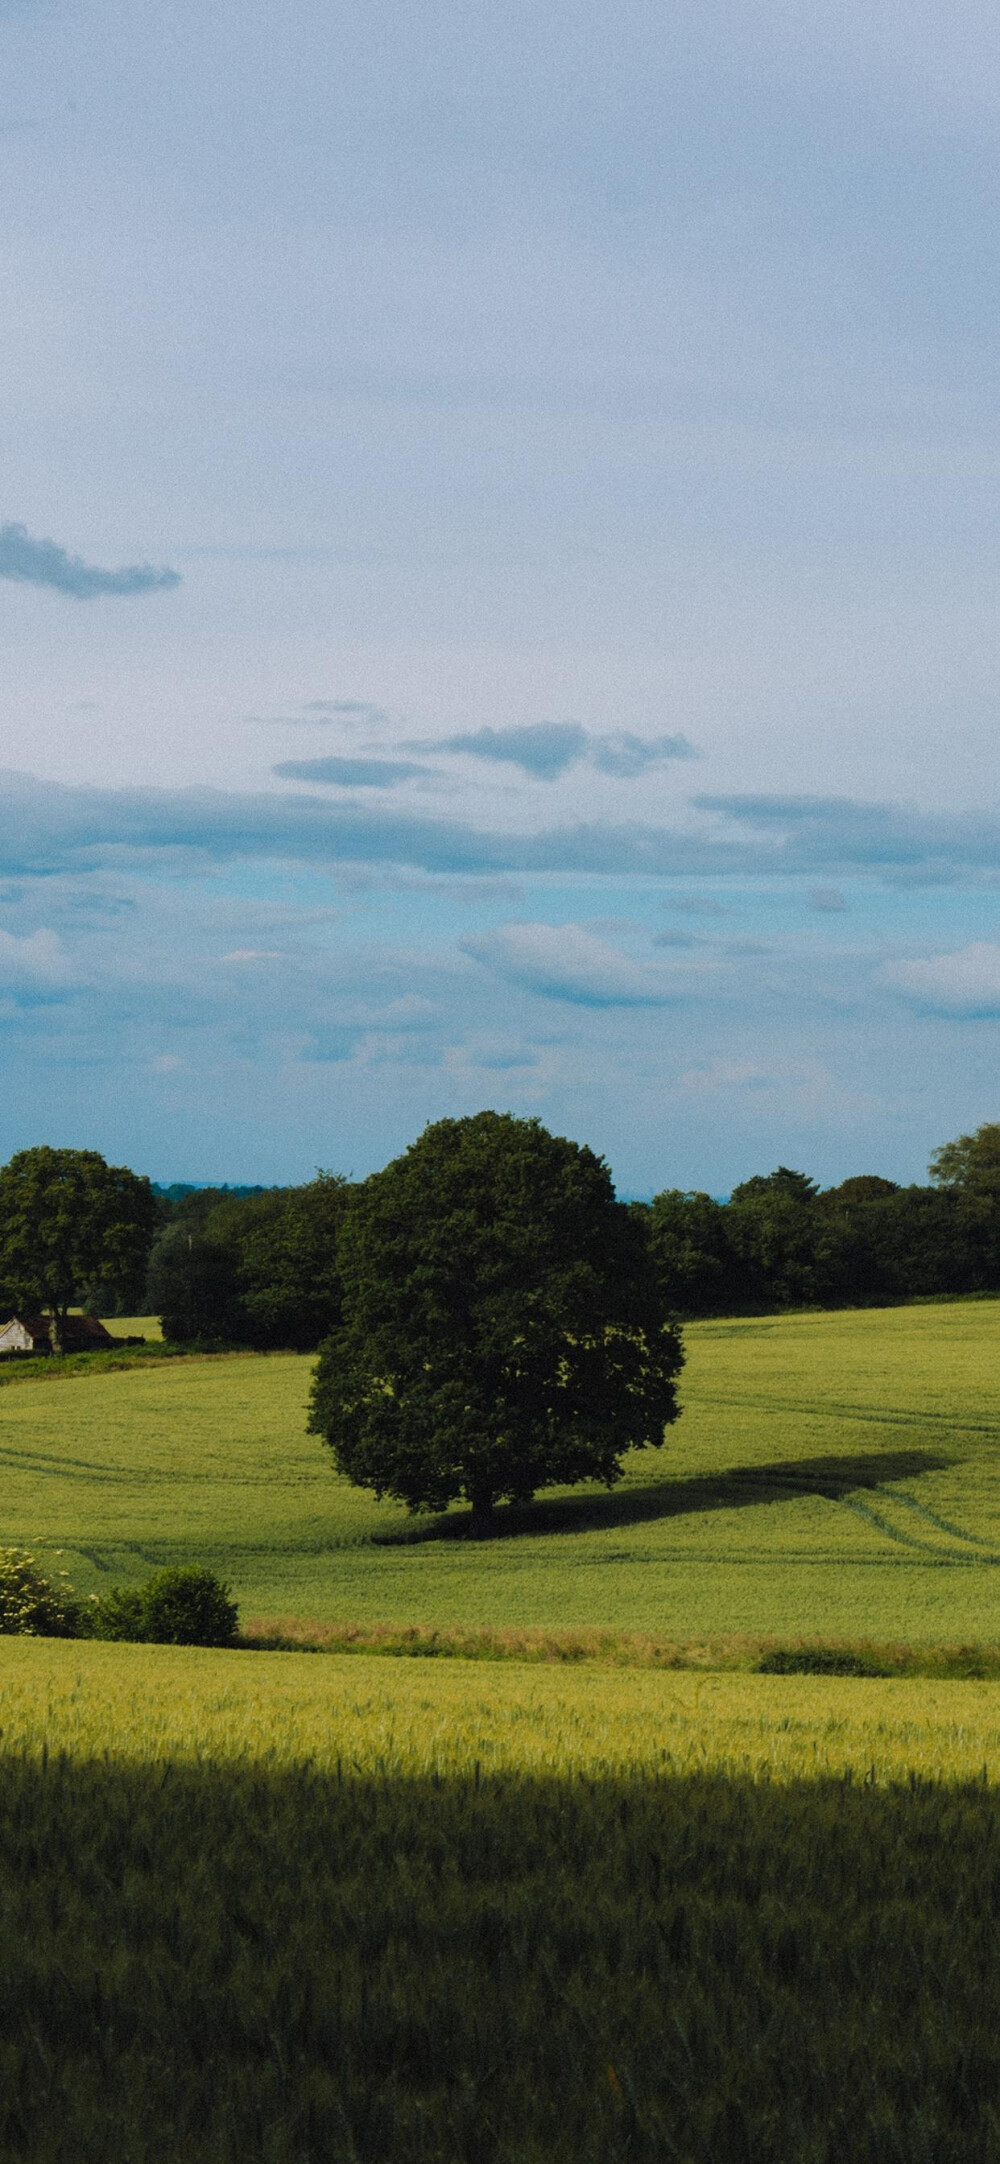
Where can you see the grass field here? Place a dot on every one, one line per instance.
(832, 1475)
(269, 1907)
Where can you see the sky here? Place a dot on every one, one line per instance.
(498, 581)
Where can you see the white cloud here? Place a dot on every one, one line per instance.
(38, 958)
(966, 982)
(566, 961)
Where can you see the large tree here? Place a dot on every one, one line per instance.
(503, 1327)
(68, 1219)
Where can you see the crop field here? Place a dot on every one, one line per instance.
(300, 1908)
(832, 1476)
(295, 1909)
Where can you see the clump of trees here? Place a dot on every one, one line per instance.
(502, 1325)
(780, 1241)
(256, 1267)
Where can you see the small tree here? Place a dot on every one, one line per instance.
(68, 1219)
(503, 1327)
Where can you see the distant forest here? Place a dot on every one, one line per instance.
(782, 1242)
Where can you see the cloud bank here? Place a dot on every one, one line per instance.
(44, 563)
(49, 827)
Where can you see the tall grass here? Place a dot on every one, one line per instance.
(266, 1907)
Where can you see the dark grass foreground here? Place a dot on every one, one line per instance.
(224, 1966)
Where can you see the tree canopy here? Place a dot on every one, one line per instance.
(503, 1326)
(257, 1267)
(67, 1218)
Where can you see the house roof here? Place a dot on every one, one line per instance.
(85, 1330)
(78, 1330)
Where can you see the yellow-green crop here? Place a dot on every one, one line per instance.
(299, 1909)
(156, 1703)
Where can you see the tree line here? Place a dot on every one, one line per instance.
(261, 1267)
(780, 1241)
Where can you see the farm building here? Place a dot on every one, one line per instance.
(33, 1334)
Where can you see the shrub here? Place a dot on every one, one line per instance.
(31, 1605)
(186, 1606)
(819, 1661)
(118, 1614)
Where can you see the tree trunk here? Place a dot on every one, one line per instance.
(483, 1501)
(56, 1331)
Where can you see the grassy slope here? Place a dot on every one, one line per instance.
(832, 1475)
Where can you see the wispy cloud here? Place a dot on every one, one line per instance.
(344, 710)
(44, 563)
(545, 749)
(567, 961)
(351, 773)
(628, 756)
(814, 833)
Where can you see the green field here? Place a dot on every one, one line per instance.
(832, 1475)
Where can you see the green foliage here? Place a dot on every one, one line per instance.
(773, 1227)
(192, 1286)
(700, 1271)
(31, 1604)
(971, 1163)
(781, 1243)
(503, 1326)
(67, 1219)
(288, 1271)
(119, 1614)
(819, 1661)
(255, 1267)
(181, 1606)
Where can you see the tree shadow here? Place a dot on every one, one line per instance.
(740, 1487)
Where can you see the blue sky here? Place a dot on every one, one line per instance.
(498, 574)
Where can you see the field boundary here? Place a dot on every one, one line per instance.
(597, 1648)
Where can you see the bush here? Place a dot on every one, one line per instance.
(31, 1605)
(819, 1661)
(118, 1614)
(180, 1607)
